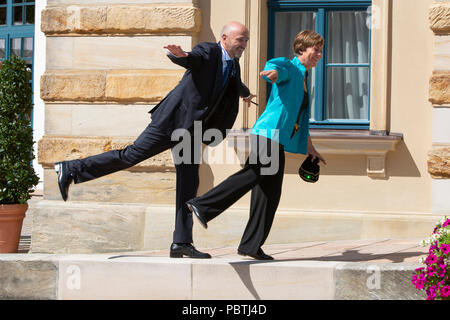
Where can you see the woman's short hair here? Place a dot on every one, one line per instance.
(306, 39)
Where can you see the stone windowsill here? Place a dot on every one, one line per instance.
(342, 142)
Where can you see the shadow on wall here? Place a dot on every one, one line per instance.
(399, 163)
(206, 33)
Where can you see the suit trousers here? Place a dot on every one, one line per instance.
(150, 142)
(263, 175)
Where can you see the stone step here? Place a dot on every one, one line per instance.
(334, 270)
(92, 227)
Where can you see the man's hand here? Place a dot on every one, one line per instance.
(313, 152)
(249, 98)
(176, 50)
(271, 74)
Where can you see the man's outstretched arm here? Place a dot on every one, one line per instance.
(189, 60)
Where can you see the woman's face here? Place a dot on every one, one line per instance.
(311, 56)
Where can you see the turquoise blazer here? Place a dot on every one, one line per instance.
(278, 119)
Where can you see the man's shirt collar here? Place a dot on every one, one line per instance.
(225, 55)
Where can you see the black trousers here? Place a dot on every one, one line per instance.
(263, 175)
(150, 142)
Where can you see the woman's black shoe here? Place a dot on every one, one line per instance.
(178, 250)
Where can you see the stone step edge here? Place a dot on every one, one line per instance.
(46, 276)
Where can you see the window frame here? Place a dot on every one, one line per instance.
(321, 8)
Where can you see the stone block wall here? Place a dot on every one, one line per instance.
(439, 156)
(106, 64)
(105, 69)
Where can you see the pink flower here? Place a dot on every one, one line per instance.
(431, 259)
(420, 284)
(431, 271)
(446, 223)
(445, 292)
(445, 248)
(432, 248)
(431, 292)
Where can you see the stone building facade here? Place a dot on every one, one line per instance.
(439, 156)
(105, 68)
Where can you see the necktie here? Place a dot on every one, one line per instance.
(303, 106)
(228, 68)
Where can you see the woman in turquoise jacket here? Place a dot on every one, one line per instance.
(283, 126)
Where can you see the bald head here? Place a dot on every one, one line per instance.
(232, 26)
(234, 38)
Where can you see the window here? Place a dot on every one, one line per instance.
(17, 30)
(340, 83)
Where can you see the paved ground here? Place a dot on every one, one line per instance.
(382, 251)
(378, 251)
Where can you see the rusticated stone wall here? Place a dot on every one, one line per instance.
(122, 86)
(439, 156)
(440, 17)
(93, 57)
(105, 69)
(121, 19)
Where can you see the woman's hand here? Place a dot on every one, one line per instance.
(176, 50)
(271, 74)
(313, 152)
(249, 98)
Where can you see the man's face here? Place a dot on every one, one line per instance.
(236, 42)
(311, 56)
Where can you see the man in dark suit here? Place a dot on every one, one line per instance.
(208, 92)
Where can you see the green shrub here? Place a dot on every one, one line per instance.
(17, 176)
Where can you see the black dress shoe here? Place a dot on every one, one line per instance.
(197, 213)
(178, 250)
(65, 178)
(260, 255)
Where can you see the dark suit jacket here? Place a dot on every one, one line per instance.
(199, 93)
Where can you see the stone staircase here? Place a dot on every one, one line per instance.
(370, 269)
(328, 270)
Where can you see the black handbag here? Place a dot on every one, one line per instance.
(309, 170)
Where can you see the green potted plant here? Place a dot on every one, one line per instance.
(17, 176)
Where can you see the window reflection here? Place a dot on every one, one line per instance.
(348, 37)
(2, 16)
(348, 93)
(2, 48)
(16, 45)
(27, 47)
(17, 14)
(29, 14)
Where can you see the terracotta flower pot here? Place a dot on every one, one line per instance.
(11, 219)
